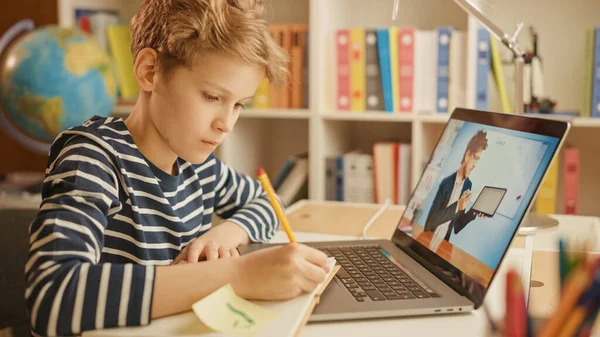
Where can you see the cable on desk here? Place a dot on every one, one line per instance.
(383, 207)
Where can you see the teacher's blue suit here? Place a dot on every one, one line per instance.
(441, 212)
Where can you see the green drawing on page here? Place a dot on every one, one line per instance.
(248, 319)
(224, 311)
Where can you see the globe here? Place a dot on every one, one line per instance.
(51, 79)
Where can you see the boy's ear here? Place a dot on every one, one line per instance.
(145, 69)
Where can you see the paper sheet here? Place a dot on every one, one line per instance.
(224, 311)
(292, 312)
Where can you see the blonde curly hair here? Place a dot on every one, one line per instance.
(181, 30)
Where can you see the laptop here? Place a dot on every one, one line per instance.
(444, 254)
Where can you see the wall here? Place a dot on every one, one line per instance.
(14, 157)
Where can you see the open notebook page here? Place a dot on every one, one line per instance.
(291, 314)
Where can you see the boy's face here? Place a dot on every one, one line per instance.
(196, 108)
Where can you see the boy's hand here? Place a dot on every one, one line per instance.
(279, 273)
(219, 242)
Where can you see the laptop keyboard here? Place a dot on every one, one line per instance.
(366, 272)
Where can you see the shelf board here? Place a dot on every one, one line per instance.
(276, 113)
(374, 116)
(434, 118)
(125, 110)
(122, 110)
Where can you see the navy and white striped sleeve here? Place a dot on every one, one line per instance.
(241, 199)
(68, 291)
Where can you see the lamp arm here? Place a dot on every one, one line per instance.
(507, 40)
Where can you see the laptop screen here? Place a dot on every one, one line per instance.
(475, 190)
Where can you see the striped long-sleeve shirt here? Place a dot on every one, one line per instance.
(108, 217)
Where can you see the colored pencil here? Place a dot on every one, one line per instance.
(576, 284)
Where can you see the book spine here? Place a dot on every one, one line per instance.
(297, 61)
(596, 77)
(546, 199)
(357, 70)
(339, 178)
(457, 70)
(119, 41)
(276, 97)
(397, 166)
(404, 159)
(588, 70)
(383, 46)
(261, 97)
(482, 69)
(330, 178)
(394, 66)
(571, 180)
(406, 57)
(343, 69)
(305, 70)
(358, 178)
(444, 35)
(374, 91)
(425, 71)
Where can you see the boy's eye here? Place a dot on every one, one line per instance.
(240, 105)
(210, 97)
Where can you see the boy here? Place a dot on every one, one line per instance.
(125, 202)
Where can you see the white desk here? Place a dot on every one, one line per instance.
(460, 325)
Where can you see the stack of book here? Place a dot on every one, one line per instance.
(293, 95)
(405, 69)
(374, 177)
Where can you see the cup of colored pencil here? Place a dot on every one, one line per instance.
(577, 310)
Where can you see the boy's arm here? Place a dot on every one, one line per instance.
(240, 199)
(67, 290)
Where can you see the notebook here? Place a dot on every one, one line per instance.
(292, 317)
(294, 313)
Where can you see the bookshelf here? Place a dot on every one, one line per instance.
(267, 137)
(124, 111)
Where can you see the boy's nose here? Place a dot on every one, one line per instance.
(225, 122)
(222, 126)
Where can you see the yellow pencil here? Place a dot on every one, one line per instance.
(266, 185)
